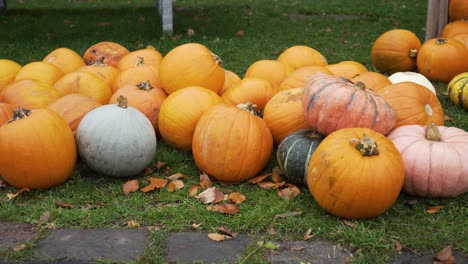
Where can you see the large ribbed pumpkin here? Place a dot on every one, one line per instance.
(37, 149)
(435, 159)
(440, 59)
(8, 71)
(180, 112)
(395, 50)
(410, 101)
(254, 90)
(6, 112)
(231, 144)
(191, 64)
(330, 103)
(355, 173)
(294, 152)
(283, 113)
(457, 90)
(30, 94)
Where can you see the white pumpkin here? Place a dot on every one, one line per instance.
(415, 77)
(116, 140)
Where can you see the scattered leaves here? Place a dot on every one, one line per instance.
(64, 205)
(271, 231)
(44, 218)
(444, 256)
(159, 164)
(175, 185)
(288, 214)
(398, 246)
(289, 192)
(130, 186)
(224, 230)
(348, 223)
(193, 190)
(308, 234)
(12, 196)
(226, 208)
(275, 177)
(190, 32)
(216, 237)
(236, 197)
(19, 247)
(148, 171)
(205, 181)
(434, 209)
(219, 196)
(297, 248)
(258, 179)
(269, 245)
(133, 224)
(155, 183)
(207, 196)
(104, 24)
(177, 176)
(240, 33)
(270, 185)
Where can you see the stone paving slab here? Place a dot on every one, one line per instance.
(87, 245)
(13, 234)
(407, 257)
(196, 247)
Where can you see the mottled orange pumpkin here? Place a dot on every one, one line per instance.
(65, 59)
(283, 113)
(298, 56)
(231, 144)
(41, 71)
(37, 149)
(84, 83)
(8, 71)
(367, 190)
(301, 76)
(346, 69)
(30, 94)
(149, 54)
(108, 52)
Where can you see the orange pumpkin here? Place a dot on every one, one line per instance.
(230, 79)
(180, 112)
(458, 9)
(73, 107)
(368, 189)
(31, 94)
(84, 83)
(231, 144)
(301, 76)
(6, 112)
(254, 90)
(441, 59)
(108, 52)
(41, 71)
(144, 97)
(37, 149)
(346, 69)
(106, 72)
(271, 70)
(395, 50)
(454, 28)
(149, 54)
(298, 56)
(410, 100)
(141, 72)
(372, 80)
(283, 113)
(463, 38)
(191, 64)
(8, 71)
(65, 59)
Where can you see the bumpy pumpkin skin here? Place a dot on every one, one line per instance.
(433, 169)
(457, 90)
(330, 103)
(37, 151)
(231, 144)
(366, 190)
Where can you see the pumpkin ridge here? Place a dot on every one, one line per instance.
(376, 112)
(353, 95)
(316, 96)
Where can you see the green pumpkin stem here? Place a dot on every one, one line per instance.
(122, 101)
(20, 113)
(366, 145)
(146, 86)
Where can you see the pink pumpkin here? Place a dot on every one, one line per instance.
(435, 159)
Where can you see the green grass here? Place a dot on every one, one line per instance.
(340, 29)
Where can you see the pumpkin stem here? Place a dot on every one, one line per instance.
(122, 101)
(313, 135)
(360, 85)
(217, 59)
(441, 41)
(413, 53)
(249, 107)
(99, 62)
(432, 131)
(150, 47)
(140, 61)
(146, 86)
(367, 146)
(20, 113)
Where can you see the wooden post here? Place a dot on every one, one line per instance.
(437, 17)
(165, 11)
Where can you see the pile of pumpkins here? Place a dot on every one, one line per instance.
(354, 137)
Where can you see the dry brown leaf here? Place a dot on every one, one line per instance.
(205, 181)
(236, 197)
(288, 214)
(12, 196)
(133, 224)
(175, 185)
(207, 196)
(224, 230)
(104, 24)
(130, 186)
(348, 223)
(177, 176)
(297, 248)
(308, 235)
(159, 164)
(148, 171)
(398, 246)
(226, 208)
(193, 190)
(434, 209)
(444, 254)
(155, 183)
(275, 177)
(289, 192)
(19, 247)
(65, 205)
(190, 32)
(44, 218)
(447, 118)
(219, 196)
(270, 185)
(240, 33)
(258, 179)
(216, 237)
(271, 231)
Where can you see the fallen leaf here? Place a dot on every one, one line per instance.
(240, 33)
(65, 205)
(44, 218)
(130, 186)
(196, 226)
(190, 32)
(236, 197)
(297, 248)
(219, 196)
(434, 209)
(308, 235)
(133, 224)
(176, 37)
(12, 196)
(141, 18)
(289, 192)
(447, 118)
(159, 164)
(271, 246)
(270, 185)
(148, 171)
(104, 24)
(177, 176)
(91, 206)
(411, 203)
(260, 243)
(288, 214)
(348, 223)
(271, 231)
(258, 179)
(224, 230)
(19, 247)
(67, 21)
(226, 208)
(155, 183)
(398, 246)
(275, 177)
(216, 237)
(444, 254)
(193, 190)
(175, 185)
(205, 181)
(207, 196)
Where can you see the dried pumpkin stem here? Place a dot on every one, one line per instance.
(366, 145)
(20, 113)
(413, 53)
(441, 41)
(122, 101)
(217, 59)
(146, 86)
(432, 132)
(313, 135)
(249, 107)
(139, 61)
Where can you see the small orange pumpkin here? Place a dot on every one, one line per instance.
(301, 76)
(31, 94)
(231, 79)
(141, 72)
(84, 83)
(108, 52)
(254, 90)
(41, 71)
(372, 80)
(454, 28)
(106, 72)
(149, 54)
(271, 70)
(8, 71)
(346, 69)
(65, 59)
(298, 56)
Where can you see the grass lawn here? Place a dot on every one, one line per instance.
(339, 29)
